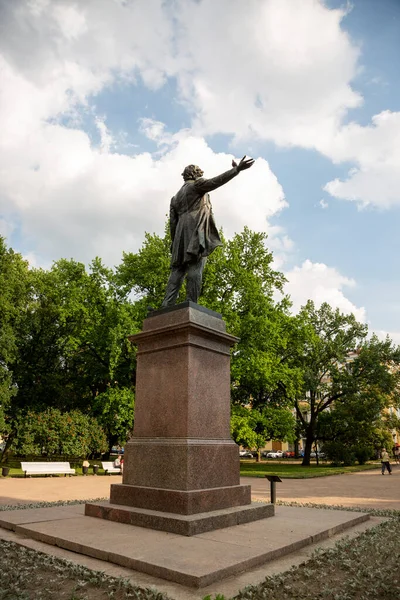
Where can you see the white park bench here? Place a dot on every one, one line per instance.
(109, 468)
(47, 468)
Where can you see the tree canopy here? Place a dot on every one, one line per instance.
(252, 428)
(64, 347)
(341, 366)
(15, 286)
(70, 346)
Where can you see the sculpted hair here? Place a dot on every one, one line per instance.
(192, 172)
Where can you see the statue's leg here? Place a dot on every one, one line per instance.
(174, 285)
(194, 278)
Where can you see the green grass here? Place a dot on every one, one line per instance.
(287, 470)
(248, 468)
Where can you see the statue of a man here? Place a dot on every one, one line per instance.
(193, 230)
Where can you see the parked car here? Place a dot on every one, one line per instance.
(288, 454)
(277, 454)
(245, 454)
(320, 454)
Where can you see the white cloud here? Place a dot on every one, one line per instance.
(276, 70)
(154, 130)
(107, 141)
(273, 70)
(394, 335)
(320, 283)
(323, 203)
(68, 197)
(290, 82)
(87, 43)
(76, 200)
(376, 151)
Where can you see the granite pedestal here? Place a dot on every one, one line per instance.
(181, 461)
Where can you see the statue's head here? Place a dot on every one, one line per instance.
(192, 172)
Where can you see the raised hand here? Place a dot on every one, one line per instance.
(245, 163)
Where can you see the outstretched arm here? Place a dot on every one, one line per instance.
(207, 185)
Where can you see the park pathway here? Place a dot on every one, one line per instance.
(366, 489)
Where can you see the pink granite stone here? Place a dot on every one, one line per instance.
(181, 458)
(188, 525)
(186, 387)
(180, 502)
(181, 463)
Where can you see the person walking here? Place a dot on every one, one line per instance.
(385, 461)
(397, 454)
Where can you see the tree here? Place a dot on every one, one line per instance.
(247, 428)
(15, 286)
(240, 284)
(341, 366)
(56, 433)
(356, 429)
(72, 343)
(146, 272)
(252, 428)
(114, 409)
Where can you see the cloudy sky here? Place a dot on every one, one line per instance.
(103, 102)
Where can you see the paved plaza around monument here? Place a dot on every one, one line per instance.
(250, 545)
(366, 489)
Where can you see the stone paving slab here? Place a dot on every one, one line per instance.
(196, 561)
(228, 587)
(9, 519)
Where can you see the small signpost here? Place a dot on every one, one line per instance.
(273, 479)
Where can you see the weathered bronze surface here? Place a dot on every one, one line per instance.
(193, 230)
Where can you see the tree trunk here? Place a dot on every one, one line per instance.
(7, 447)
(308, 447)
(310, 431)
(296, 448)
(110, 443)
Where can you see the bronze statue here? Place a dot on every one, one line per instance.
(193, 231)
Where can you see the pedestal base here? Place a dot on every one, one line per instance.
(187, 525)
(180, 501)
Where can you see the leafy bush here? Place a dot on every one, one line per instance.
(363, 453)
(54, 433)
(339, 453)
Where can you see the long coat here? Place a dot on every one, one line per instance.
(193, 230)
